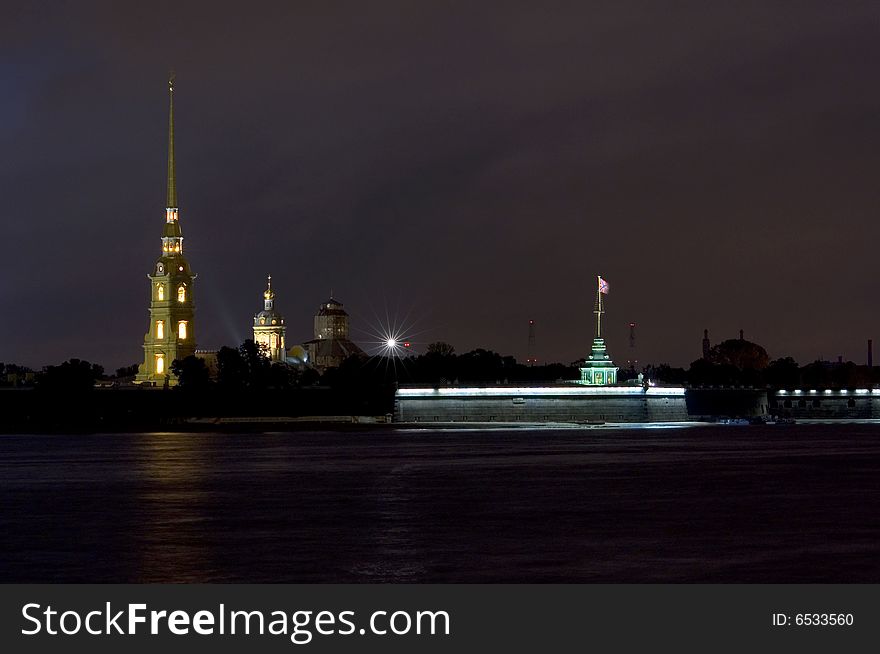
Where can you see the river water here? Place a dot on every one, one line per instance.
(699, 504)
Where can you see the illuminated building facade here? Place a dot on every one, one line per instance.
(171, 334)
(269, 329)
(598, 368)
(331, 344)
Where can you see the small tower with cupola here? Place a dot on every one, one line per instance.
(269, 329)
(598, 369)
(171, 334)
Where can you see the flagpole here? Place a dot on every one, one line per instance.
(599, 312)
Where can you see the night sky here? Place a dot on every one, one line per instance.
(470, 165)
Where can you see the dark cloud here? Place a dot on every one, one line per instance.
(473, 164)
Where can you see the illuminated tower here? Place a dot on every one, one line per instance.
(171, 334)
(598, 368)
(269, 326)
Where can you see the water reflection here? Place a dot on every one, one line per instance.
(677, 505)
(171, 529)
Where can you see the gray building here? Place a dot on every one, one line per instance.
(331, 344)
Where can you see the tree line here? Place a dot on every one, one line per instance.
(247, 368)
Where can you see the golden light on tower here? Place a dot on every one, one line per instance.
(163, 346)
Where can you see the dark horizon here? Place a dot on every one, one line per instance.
(471, 168)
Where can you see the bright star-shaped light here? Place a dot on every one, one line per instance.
(389, 337)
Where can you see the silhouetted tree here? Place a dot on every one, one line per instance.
(309, 377)
(816, 374)
(282, 376)
(705, 373)
(850, 375)
(231, 369)
(484, 366)
(783, 373)
(14, 374)
(667, 374)
(15, 369)
(256, 363)
(436, 366)
(127, 371)
(440, 348)
(72, 375)
(192, 373)
(739, 353)
(245, 367)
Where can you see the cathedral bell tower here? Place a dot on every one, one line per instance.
(171, 334)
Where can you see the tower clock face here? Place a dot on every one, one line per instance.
(160, 269)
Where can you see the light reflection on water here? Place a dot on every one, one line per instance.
(718, 503)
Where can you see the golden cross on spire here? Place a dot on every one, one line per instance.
(269, 294)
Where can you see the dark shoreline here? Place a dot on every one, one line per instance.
(259, 427)
(355, 426)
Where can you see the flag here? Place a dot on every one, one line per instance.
(603, 285)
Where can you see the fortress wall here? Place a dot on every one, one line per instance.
(855, 404)
(634, 406)
(667, 409)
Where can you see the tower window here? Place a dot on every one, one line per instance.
(181, 330)
(160, 292)
(160, 329)
(181, 293)
(160, 364)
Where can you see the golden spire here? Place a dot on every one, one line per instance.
(172, 177)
